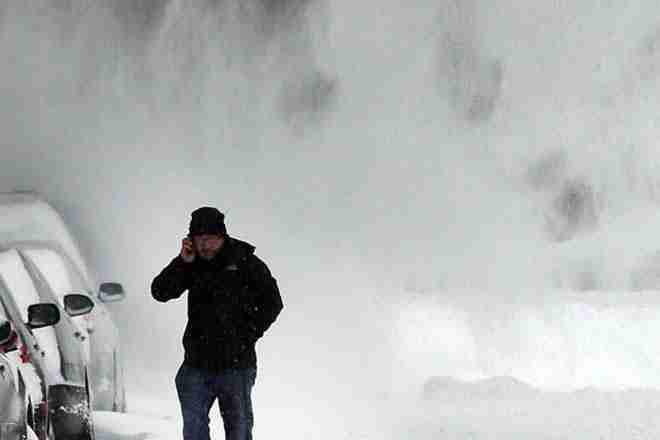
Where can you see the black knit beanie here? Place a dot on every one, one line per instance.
(207, 220)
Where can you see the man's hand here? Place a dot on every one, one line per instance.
(175, 278)
(187, 250)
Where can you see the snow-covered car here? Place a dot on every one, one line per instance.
(23, 399)
(56, 277)
(58, 352)
(47, 247)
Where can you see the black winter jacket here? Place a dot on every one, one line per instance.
(232, 300)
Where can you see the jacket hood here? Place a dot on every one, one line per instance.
(239, 248)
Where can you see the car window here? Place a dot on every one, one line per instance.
(58, 272)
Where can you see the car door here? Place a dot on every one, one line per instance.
(55, 280)
(24, 293)
(64, 277)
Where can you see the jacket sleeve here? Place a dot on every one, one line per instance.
(267, 303)
(172, 281)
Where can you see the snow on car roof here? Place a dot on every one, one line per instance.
(18, 281)
(26, 216)
(55, 271)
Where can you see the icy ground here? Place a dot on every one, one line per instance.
(499, 408)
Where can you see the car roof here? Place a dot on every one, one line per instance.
(24, 248)
(27, 216)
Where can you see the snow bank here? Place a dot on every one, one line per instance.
(587, 414)
(555, 340)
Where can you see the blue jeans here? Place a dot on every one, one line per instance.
(198, 389)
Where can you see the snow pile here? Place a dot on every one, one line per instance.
(556, 340)
(517, 411)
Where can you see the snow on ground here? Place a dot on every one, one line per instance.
(564, 365)
(116, 426)
(465, 411)
(498, 408)
(555, 340)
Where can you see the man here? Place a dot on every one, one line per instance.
(232, 300)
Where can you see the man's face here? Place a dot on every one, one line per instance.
(207, 245)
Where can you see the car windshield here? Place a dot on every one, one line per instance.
(58, 271)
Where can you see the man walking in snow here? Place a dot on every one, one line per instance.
(232, 300)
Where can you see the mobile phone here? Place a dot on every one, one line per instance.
(189, 237)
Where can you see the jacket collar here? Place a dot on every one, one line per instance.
(238, 249)
(232, 251)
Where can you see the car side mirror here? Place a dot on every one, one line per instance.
(111, 292)
(5, 331)
(76, 304)
(43, 315)
(8, 338)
